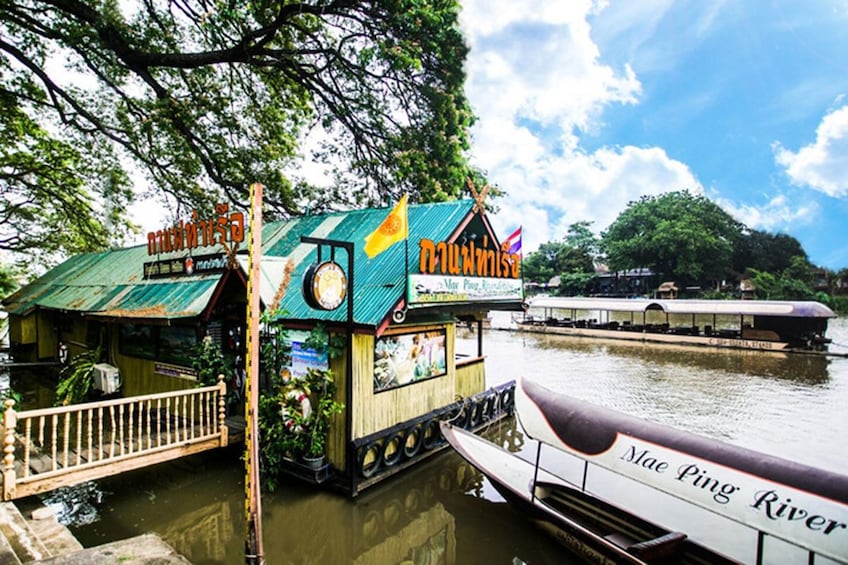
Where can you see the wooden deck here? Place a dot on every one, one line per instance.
(48, 448)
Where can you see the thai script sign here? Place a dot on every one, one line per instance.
(469, 259)
(450, 272)
(226, 227)
(196, 265)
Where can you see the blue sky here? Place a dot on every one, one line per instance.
(585, 106)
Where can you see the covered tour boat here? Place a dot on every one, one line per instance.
(767, 325)
(780, 500)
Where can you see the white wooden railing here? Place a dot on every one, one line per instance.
(52, 447)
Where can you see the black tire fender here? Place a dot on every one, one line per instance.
(431, 434)
(368, 468)
(412, 440)
(388, 457)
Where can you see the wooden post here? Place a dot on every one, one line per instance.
(222, 411)
(253, 502)
(10, 420)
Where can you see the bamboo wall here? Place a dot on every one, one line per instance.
(470, 377)
(48, 340)
(374, 412)
(337, 442)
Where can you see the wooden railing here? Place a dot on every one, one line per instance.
(52, 447)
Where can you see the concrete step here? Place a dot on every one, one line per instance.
(33, 537)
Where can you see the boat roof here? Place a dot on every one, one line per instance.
(782, 308)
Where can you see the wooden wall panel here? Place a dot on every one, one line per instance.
(471, 377)
(337, 443)
(374, 412)
(22, 329)
(48, 341)
(138, 377)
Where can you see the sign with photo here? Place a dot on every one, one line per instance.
(402, 359)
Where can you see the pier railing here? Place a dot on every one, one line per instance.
(52, 447)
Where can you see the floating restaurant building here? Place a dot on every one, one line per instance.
(148, 307)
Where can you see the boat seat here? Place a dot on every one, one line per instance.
(659, 550)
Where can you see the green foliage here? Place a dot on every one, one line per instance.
(209, 361)
(781, 286)
(575, 283)
(77, 378)
(678, 235)
(206, 98)
(8, 280)
(324, 342)
(764, 251)
(286, 432)
(58, 195)
(6, 394)
(572, 260)
(838, 304)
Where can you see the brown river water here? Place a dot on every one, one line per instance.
(445, 512)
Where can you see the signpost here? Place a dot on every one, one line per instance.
(252, 488)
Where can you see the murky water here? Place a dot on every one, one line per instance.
(443, 511)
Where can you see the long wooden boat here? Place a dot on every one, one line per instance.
(800, 505)
(742, 324)
(591, 528)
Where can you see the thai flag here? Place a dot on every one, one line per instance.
(513, 242)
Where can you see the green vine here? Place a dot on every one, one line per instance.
(288, 430)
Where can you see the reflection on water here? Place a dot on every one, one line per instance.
(441, 512)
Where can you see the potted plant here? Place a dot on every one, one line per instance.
(316, 427)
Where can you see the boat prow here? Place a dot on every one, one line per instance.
(592, 528)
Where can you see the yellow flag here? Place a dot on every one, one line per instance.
(393, 229)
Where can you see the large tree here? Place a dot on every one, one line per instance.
(207, 97)
(679, 235)
(765, 251)
(570, 259)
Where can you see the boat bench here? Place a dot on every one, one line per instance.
(658, 550)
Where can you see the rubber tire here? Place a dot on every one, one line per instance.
(371, 470)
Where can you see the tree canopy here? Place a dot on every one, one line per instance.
(678, 235)
(765, 251)
(205, 98)
(570, 259)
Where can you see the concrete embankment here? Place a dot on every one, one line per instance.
(35, 536)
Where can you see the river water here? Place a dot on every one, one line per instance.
(443, 511)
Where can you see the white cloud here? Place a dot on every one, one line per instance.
(595, 187)
(536, 83)
(774, 215)
(822, 165)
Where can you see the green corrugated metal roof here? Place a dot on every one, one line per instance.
(379, 283)
(112, 284)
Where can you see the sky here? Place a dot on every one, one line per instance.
(586, 106)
